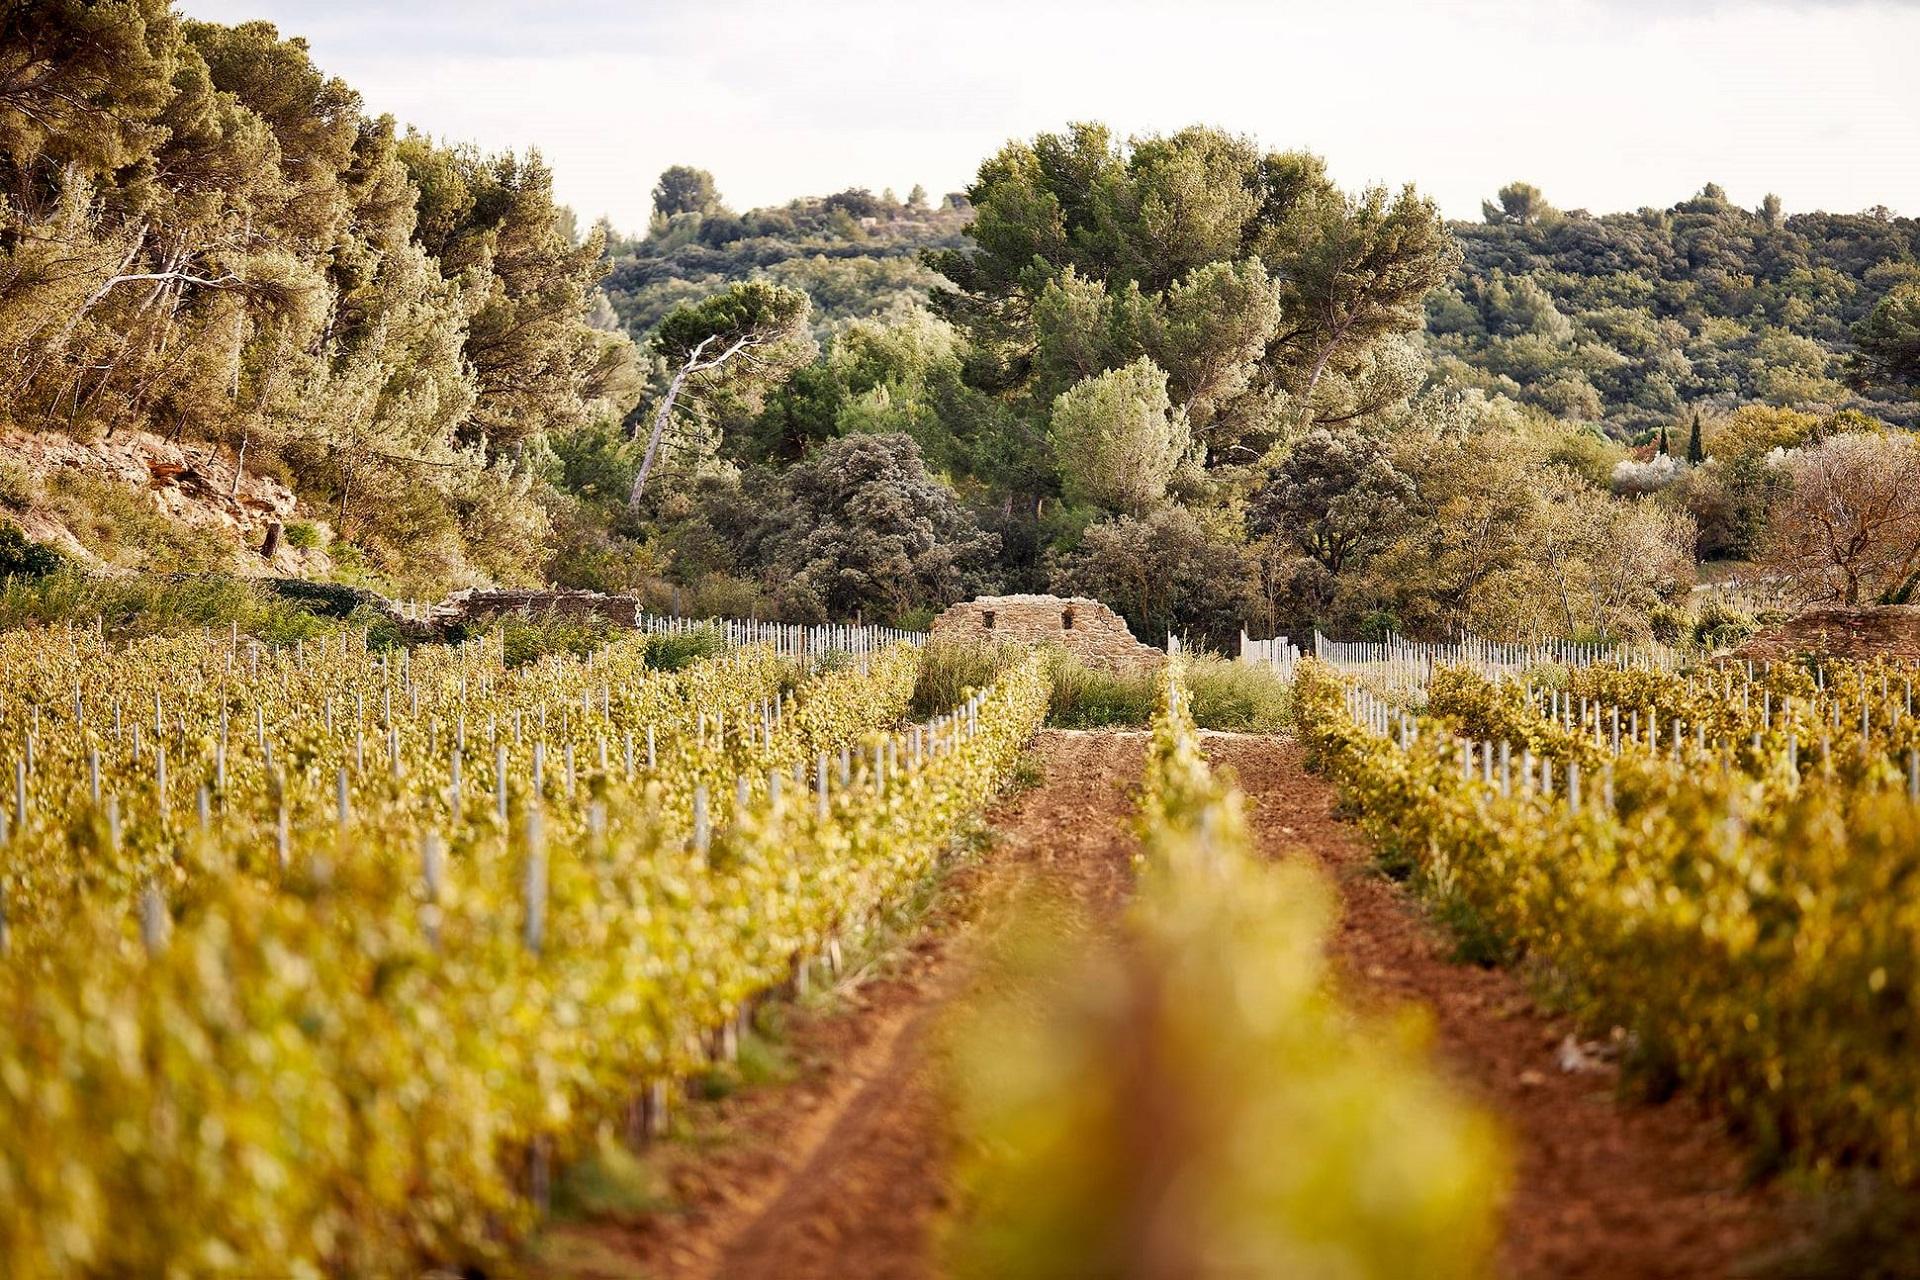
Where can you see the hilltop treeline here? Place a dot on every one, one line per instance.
(1636, 320)
(1185, 373)
(853, 253)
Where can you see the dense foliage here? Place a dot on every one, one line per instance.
(203, 234)
(1637, 320)
(1195, 380)
(854, 254)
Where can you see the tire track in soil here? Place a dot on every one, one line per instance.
(842, 1173)
(1604, 1188)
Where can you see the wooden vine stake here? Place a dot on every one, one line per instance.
(540, 1150)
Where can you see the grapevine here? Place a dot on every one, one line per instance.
(364, 1062)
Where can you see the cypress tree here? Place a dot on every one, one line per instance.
(1696, 451)
(1662, 450)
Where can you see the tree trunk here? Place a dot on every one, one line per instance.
(346, 492)
(661, 417)
(1319, 370)
(272, 544)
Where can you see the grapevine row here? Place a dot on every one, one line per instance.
(244, 759)
(1749, 929)
(372, 1062)
(1202, 1101)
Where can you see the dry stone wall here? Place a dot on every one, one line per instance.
(478, 605)
(1086, 628)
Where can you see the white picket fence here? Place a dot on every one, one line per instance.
(1397, 663)
(1278, 653)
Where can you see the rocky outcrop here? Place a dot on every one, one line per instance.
(1889, 631)
(191, 484)
(1086, 628)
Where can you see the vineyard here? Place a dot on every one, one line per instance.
(317, 959)
(333, 959)
(1719, 866)
(1097, 699)
(1213, 1051)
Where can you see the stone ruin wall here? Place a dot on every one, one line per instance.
(1086, 628)
(443, 620)
(480, 604)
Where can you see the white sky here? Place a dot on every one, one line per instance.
(1605, 104)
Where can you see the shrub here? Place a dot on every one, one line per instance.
(1168, 572)
(21, 557)
(18, 488)
(720, 595)
(528, 638)
(1719, 625)
(1666, 623)
(682, 649)
(328, 599)
(1632, 478)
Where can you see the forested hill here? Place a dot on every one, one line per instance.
(1625, 320)
(853, 254)
(1631, 318)
(1183, 373)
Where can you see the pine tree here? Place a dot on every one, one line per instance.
(1696, 451)
(1662, 450)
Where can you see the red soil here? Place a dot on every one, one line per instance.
(842, 1172)
(1605, 1187)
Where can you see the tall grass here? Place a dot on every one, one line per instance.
(1087, 697)
(949, 669)
(119, 524)
(1225, 695)
(129, 608)
(1238, 696)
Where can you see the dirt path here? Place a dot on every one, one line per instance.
(1605, 1188)
(842, 1173)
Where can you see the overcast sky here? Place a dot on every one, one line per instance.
(1605, 104)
